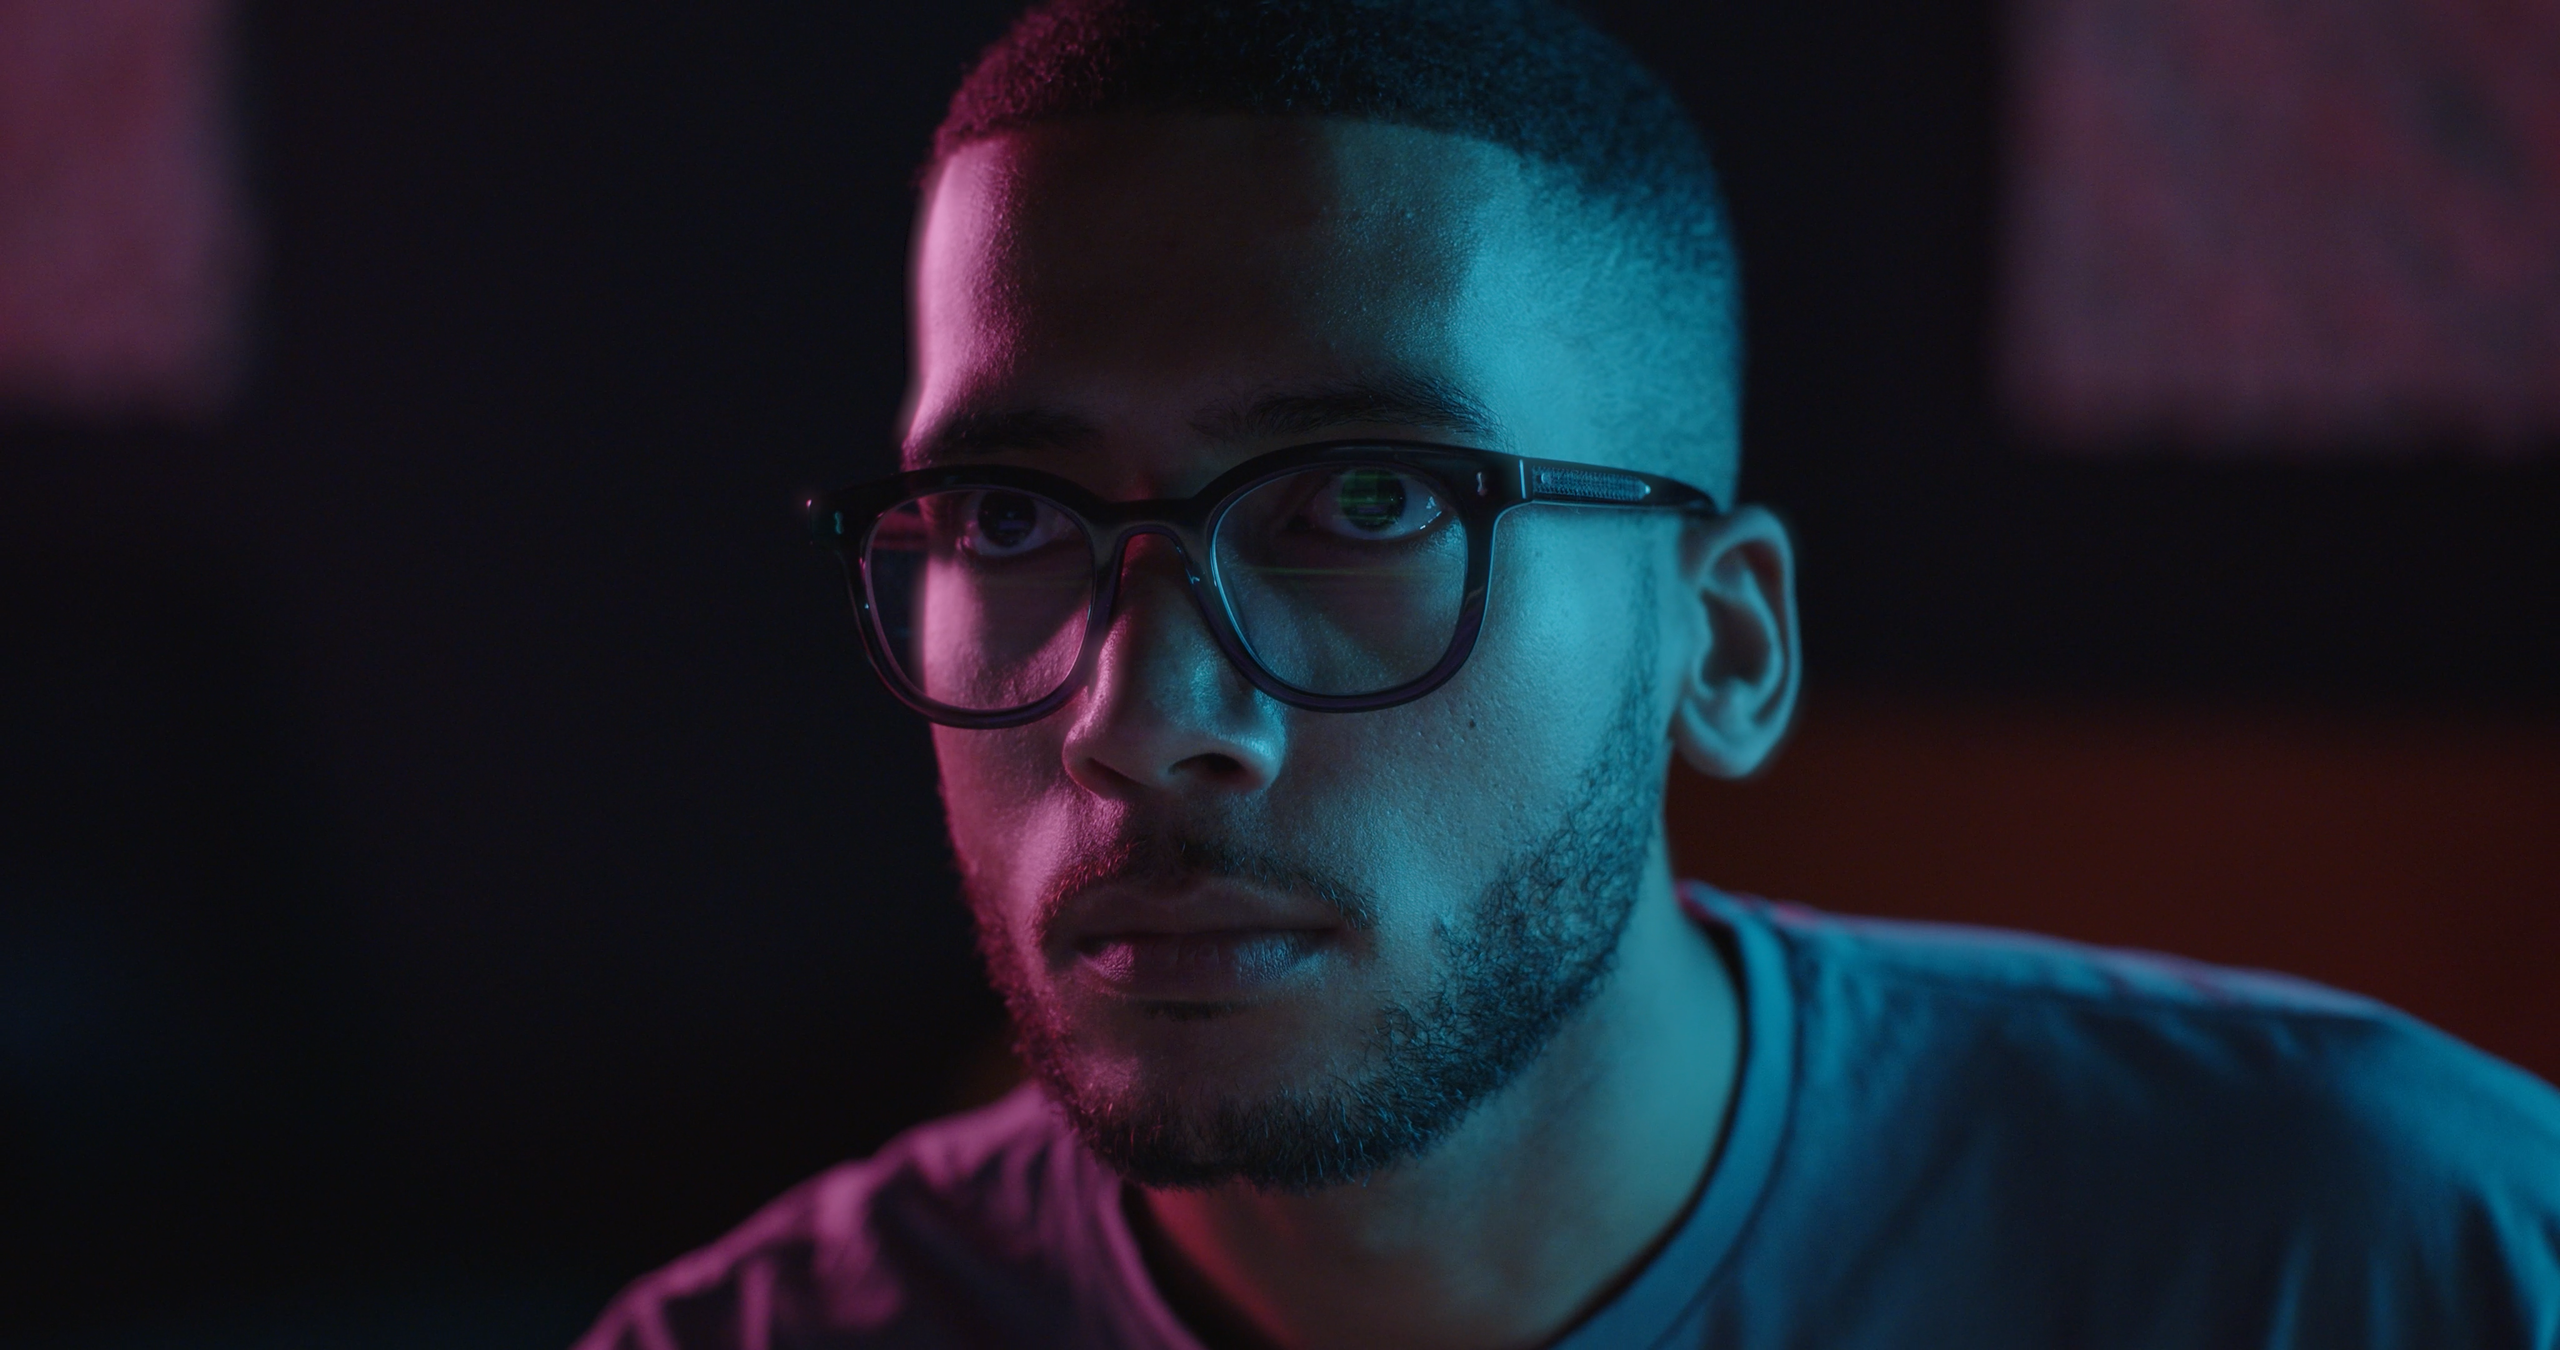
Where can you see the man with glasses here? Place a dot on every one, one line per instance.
(1317, 534)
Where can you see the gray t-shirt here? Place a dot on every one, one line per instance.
(1943, 1136)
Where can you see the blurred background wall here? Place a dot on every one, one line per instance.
(452, 857)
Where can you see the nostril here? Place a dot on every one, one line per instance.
(1215, 767)
(1098, 776)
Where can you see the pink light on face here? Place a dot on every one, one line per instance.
(122, 239)
(2285, 222)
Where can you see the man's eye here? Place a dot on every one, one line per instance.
(1373, 504)
(1008, 524)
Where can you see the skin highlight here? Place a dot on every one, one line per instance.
(1107, 295)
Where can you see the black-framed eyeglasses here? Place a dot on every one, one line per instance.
(1340, 577)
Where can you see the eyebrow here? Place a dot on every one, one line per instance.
(975, 433)
(1397, 398)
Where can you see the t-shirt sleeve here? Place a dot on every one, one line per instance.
(763, 1278)
(2006, 1140)
(975, 1230)
(2440, 1225)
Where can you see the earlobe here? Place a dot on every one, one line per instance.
(1738, 694)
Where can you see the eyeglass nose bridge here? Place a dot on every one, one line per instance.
(1190, 548)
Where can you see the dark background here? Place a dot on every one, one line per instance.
(452, 857)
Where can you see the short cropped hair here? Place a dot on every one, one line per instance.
(1532, 76)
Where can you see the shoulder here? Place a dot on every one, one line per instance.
(1995, 963)
(2142, 1034)
(2215, 1128)
(946, 1236)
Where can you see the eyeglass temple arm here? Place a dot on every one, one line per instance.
(1592, 485)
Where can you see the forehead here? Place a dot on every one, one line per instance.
(1123, 280)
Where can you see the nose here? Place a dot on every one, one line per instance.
(1165, 712)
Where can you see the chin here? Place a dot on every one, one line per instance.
(1280, 1095)
(1211, 1051)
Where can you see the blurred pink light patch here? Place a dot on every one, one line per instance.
(122, 236)
(2284, 224)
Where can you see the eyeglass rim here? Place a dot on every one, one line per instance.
(844, 519)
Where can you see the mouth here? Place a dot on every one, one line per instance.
(1214, 944)
(1220, 966)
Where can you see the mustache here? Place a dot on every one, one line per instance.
(1168, 859)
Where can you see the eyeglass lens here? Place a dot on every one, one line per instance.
(1342, 580)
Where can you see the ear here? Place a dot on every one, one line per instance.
(1739, 693)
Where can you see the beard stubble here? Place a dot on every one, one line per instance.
(1540, 941)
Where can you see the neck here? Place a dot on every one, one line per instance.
(1524, 1218)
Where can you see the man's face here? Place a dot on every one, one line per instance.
(1244, 941)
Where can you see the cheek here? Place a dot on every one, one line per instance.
(1551, 668)
(995, 788)
(1437, 794)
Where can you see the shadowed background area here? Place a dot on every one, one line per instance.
(452, 856)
